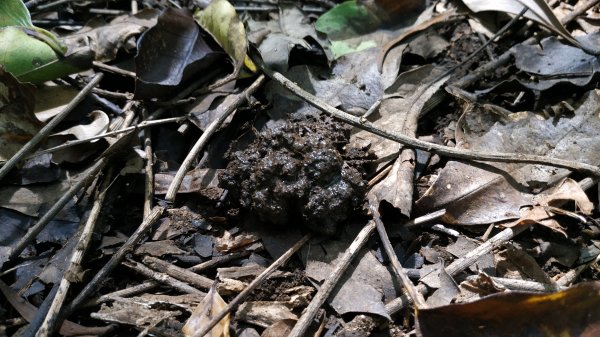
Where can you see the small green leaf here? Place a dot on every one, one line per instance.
(346, 26)
(347, 20)
(14, 13)
(221, 21)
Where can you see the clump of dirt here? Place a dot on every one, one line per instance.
(302, 172)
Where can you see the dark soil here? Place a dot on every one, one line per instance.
(301, 173)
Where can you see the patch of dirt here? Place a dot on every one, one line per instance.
(274, 289)
(302, 172)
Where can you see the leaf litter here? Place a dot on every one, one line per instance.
(223, 204)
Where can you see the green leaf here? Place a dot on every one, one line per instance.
(221, 21)
(29, 58)
(30, 53)
(346, 25)
(14, 13)
(347, 20)
(50, 39)
(344, 47)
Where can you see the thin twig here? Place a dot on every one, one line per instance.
(426, 146)
(162, 278)
(130, 291)
(141, 125)
(228, 109)
(113, 69)
(52, 318)
(581, 8)
(522, 285)
(45, 131)
(117, 257)
(149, 170)
(399, 272)
(255, 283)
(305, 320)
(218, 260)
(149, 285)
(179, 273)
(33, 231)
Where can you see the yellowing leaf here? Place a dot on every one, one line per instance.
(210, 306)
(572, 312)
(221, 21)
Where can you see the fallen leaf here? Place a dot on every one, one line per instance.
(18, 123)
(171, 53)
(364, 286)
(552, 62)
(482, 193)
(344, 24)
(279, 328)
(538, 11)
(106, 39)
(265, 313)
(34, 54)
(221, 21)
(210, 306)
(293, 30)
(567, 190)
(572, 312)
(27, 310)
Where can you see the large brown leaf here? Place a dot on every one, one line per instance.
(570, 313)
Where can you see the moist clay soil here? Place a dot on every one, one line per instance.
(300, 173)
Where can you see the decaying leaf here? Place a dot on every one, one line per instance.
(222, 22)
(106, 39)
(567, 190)
(279, 328)
(265, 313)
(210, 306)
(363, 288)
(277, 39)
(571, 313)
(538, 11)
(171, 53)
(552, 62)
(17, 121)
(481, 193)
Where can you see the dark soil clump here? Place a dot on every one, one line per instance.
(302, 173)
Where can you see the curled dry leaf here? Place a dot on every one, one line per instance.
(210, 306)
(538, 11)
(567, 190)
